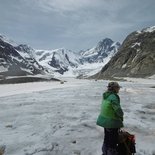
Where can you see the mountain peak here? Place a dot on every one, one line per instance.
(24, 47)
(106, 40)
(149, 29)
(7, 40)
(135, 57)
(106, 47)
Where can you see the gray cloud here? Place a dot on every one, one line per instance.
(73, 24)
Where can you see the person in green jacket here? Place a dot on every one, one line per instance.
(111, 118)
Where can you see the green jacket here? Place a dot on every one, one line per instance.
(111, 114)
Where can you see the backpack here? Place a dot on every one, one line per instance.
(126, 143)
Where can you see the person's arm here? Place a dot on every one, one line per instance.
(116, 106)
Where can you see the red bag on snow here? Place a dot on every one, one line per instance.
(126, 143)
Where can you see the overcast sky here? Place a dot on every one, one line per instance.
(73, 24)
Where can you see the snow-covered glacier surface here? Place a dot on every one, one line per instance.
(49, 118)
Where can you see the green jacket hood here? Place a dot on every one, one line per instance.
(106, 94)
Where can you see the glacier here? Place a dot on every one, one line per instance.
(49, 118)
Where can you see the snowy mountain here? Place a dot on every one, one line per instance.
(17, 60)
(58, 60)
(104, 48)
(135, 58)
(23, 60)
(69, 63)
(26, 51)
(95, 58)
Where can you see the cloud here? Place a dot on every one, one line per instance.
(62, 6)
(73, 23)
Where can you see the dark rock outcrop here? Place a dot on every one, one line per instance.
(14, 63)
(135, 58)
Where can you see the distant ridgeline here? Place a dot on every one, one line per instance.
(135, 58)
(21, 60)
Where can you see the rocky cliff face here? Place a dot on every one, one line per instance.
(135, 58)
(17, 60)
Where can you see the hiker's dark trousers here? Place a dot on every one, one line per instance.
(110, 141)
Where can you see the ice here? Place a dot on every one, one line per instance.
(135, 44)
(49, 118)
(150, 29)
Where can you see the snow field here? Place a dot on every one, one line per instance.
(47, 118)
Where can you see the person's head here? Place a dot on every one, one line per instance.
(113, 87)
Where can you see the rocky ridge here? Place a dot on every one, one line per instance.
(135, 58)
